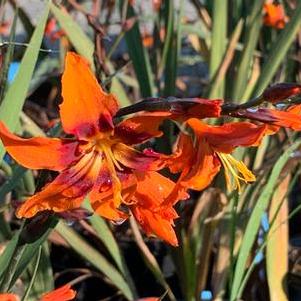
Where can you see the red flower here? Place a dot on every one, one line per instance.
(51, 30)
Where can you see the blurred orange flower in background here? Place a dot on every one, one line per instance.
(274, 15)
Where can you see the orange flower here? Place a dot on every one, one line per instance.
(274, 15)
(51, 30)
(4, 27)
(64, 293)
(145, 193)
(199, 162)
(148, 198)
(291, 118)
(8, 297)
(100, 157)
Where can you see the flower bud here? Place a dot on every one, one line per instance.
(281, 91)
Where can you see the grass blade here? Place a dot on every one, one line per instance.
(278, 51)
(95, 258)
(277, 244)
(253, 26)
(227, 59)
(254, 220)
(139, 57)
(84, 46)
(14, 99)
(218, 42)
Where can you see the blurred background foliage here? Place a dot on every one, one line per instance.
(232, 246)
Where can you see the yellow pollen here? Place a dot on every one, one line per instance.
(237, 169)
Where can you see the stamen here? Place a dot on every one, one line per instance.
(237, 169)
(116, 184)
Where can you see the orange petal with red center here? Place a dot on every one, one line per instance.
(86, 109)
(64, 293)
(67, 191)
(139, 129)
(8, 297)
(102, 195)
(225, 138)
(39, 152)
(137, 160)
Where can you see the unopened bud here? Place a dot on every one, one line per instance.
(281, 91)
(129, 23)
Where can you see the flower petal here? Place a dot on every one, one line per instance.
(227, 137)
(8, 297)
(139, 129)
(152, 189)
(102, 195)
(39, 152)
(155, 223)
(182, 155)
(67, 191)
(203, 169)
(134, 159)
(86, 109)
(64, 293)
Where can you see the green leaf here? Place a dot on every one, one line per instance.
(252, 32)
(172, 48)
(14, 99)
(218, 40)
(278, 51)
(95, 258)
(254, 221)
(139, 57)
(277, 248)
(8, 253)
(82, 43)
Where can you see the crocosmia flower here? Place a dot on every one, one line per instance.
(274, 15)
(199, 161)
(64, 293)
(99, 157)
